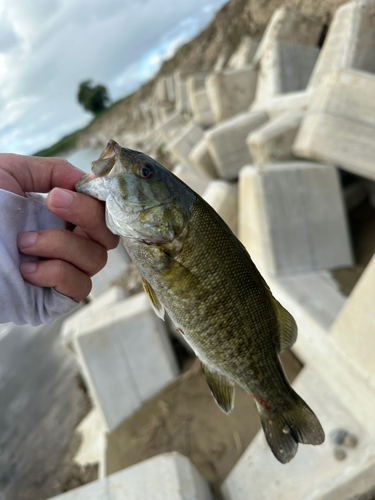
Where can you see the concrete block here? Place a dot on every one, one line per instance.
(223, 197)
(181, 93)
(76, 321)
(118, 261)
(350, 42)
(92, 433)
(339, 127)
(354, 329)
(287, 53)
(201, 159)
(201, 108)
(227, 143)
(274, 140)
(182, 143)
(197, 181)
(195, 83)
(231, 91)
(169, 476)
(284, 68)
(355, 483)
(289, 25)
(277, 105)
(292, 218)
(244, 54)
(159, 91)
(169, 127)
(258, 476)
(126, 358)
(169, 82)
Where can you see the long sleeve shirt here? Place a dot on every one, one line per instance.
(20, 301)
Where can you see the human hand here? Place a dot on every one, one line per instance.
(72, 257)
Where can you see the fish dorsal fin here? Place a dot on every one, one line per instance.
(221, 388)
(155, 302)
(287, 326)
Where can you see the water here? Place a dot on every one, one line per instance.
(82, 158)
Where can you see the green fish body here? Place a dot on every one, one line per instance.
(194, 267)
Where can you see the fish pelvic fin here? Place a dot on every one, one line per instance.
(285, 430)
(155, 302)
(287, 326)
(221, 387)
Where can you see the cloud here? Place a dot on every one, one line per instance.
(50, 46)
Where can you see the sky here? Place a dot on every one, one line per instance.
(47, 47)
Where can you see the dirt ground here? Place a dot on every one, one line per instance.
(185, 418)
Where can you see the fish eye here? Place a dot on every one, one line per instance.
(145, 171)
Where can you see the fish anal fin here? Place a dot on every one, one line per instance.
(221, 388)
(155, 302)
(287, 326)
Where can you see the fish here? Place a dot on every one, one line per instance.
(194, 268)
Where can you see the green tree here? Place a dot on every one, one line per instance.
(92, 98)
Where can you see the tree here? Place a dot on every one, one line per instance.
(92, 98)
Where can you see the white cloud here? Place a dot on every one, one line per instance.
(48, 46)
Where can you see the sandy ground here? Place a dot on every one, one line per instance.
(184, 417)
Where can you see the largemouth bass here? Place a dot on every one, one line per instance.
(194, 267)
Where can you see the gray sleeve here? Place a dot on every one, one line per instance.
(20, 301)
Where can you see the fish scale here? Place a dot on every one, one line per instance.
(195, 268)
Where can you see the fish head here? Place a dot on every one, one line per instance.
(140, 195)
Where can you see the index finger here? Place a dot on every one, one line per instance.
(37, 174)
(83, 211)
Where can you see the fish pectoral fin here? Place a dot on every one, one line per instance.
(287, 326)
(221, 387)
(155, 302)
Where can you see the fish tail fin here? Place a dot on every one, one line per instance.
(285, 430)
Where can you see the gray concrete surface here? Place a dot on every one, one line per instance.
(40, 407)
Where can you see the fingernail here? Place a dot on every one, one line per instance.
(27, 239)
(61, 198)
(28, 267)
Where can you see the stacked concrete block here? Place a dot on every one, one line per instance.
(100, 305)
(350, 42)
(244, 54)
(285, 68)
(126, 358)
(231, 91)
(354, 329)
(201, 159)
(169, 127)
(197, 181)
(184, 141)
(223, 198)
(160, 92)
(201, 108)
(118, 260)
(273, 141)
(169, 476)
(292, 218)
(195, 83)
(92, 433)
(339, 127)
(287, 53)
(259, 475)
(289, 25)
(356, 483)
(181, 92)
(227, 143)
(277, 105)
